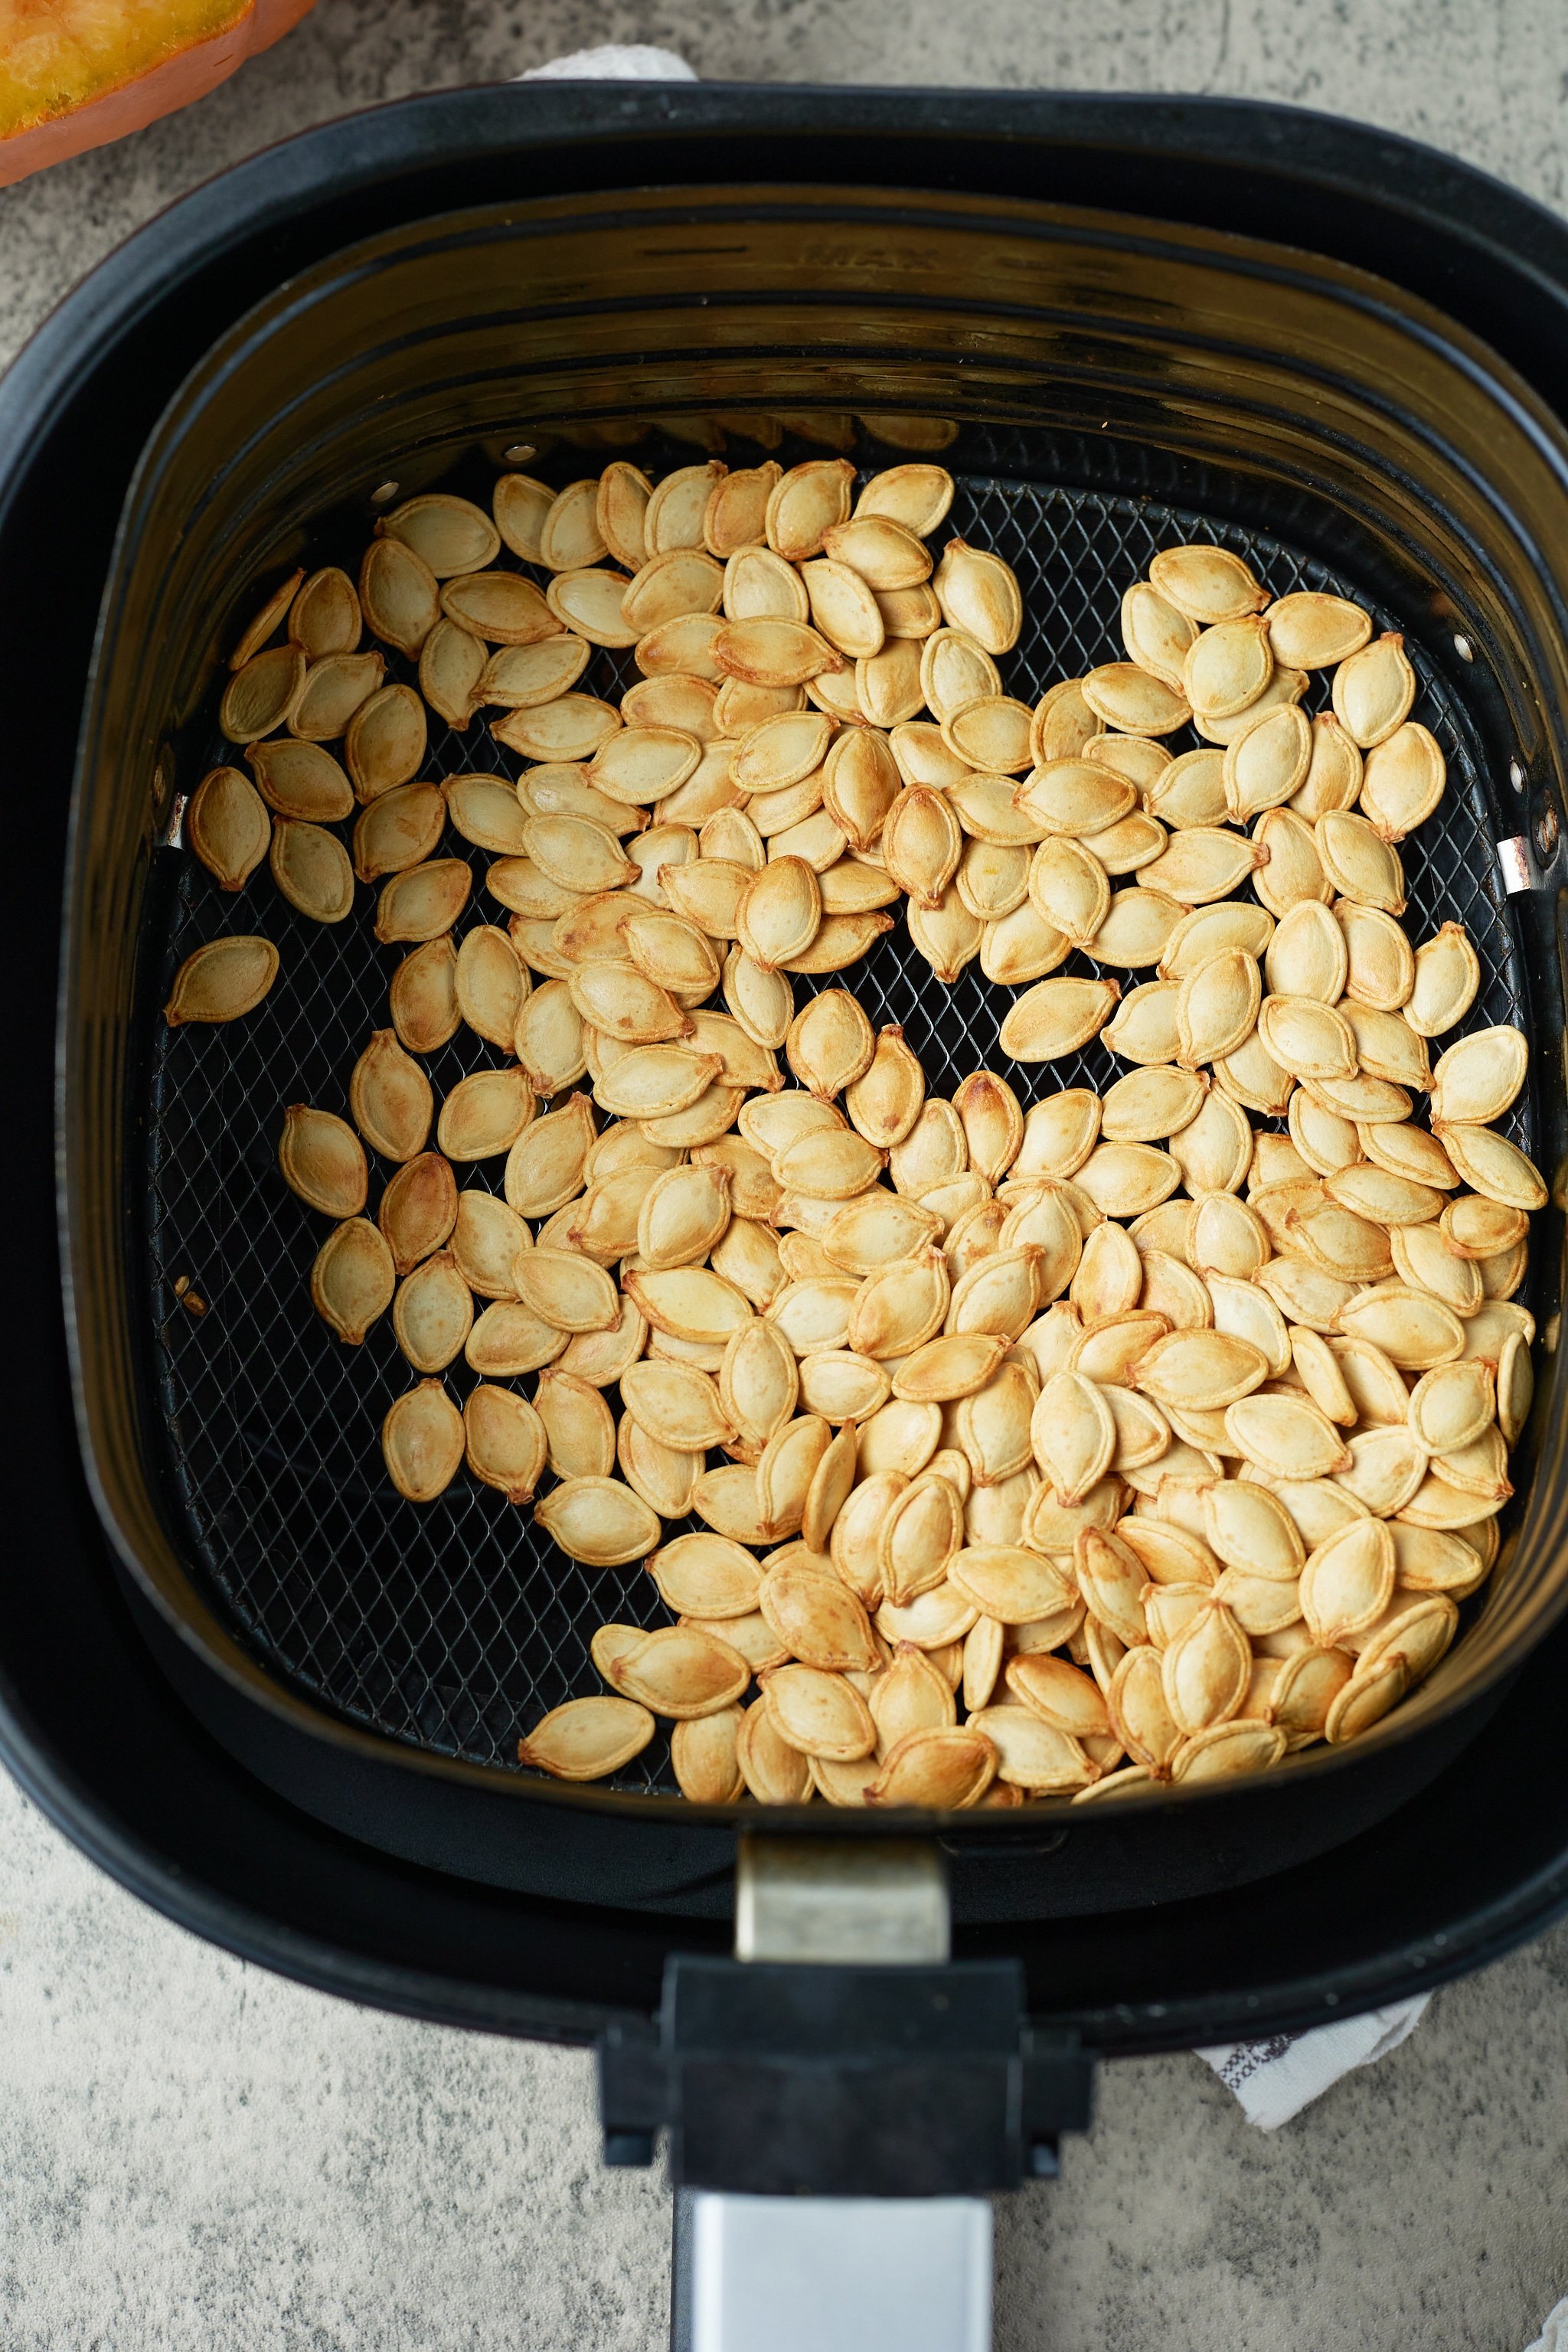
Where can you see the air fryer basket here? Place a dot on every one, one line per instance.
(1113, 386)
(453, 1624)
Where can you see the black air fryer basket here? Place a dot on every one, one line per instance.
(272, 1697)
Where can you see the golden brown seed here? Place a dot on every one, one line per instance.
(433, 1313)
(1446, 976)
(1207, 583)
(227, 827)
(1226, 667)
(336, 689)
(262, 695)
(310, 867)
(422, 1441)
(267, 620)
(390, 1098)
(323, 1160)
(352, 1280)
(1312, 631)
(1373, 689)
(1056, 1017)
(1134, 702)
(425, 901)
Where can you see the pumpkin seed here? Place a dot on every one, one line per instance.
(1448, 974)
(311, 869)
(1136, 929)
(485, 1234)
(262, 695)
(762, 586)
(227, 827)
(1199, 1370)
(399, 828)
(705, 1576)
(1145, 1027)
(773, 1772)
(422, 1441)
(1249, 1529)
(566, 1290)
(1206, 1669)
(1200, 865)
(586, 1738)
(1071, 798)
(1423, 1258)
(1333, 773)
(912, 1696)
(1348, 1581)
(1479, 1078)
(399, 594)
(1287, 1436)
(422, 903)
(1403, 780)
(299, 780)
(1307, 955)
(1226, 1749)
(939, 1770)
(1207, 583)
(1073, 1435)
(1408, 1151)
(676, 510)
(419, 1209)
(1313, 630)
(704, 1755)
(681, 1672)
(1155, 633)
(390, 1098)
(978, 594)
(1373, 689)
(1217, 1007)
(570, 536)
(875, 1231)
(943, 1369)
(1291, 869)
(1056, 1017)
(1109, 1277)
(322, 1159)
(1359, 863)
(1478, 1228)
(433, 1313)
(504, 1442)
(267, 620)
(353, 1279)
(805, 504)
(895, 1312)
(1493, 1166)
(1133, 702)
(918, 496)
(919, 1533)
(520, 505)
(758, 1381)
(1226, 667)
(818, 1713)
(549, 1038)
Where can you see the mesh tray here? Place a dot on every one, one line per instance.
(452, 1627)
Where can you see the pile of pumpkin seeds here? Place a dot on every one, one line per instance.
(1062, 1452)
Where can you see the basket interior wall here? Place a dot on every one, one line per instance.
(236, 1455)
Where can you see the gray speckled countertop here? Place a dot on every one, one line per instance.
(195, 2154)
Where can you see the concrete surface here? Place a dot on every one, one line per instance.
(194, 2154)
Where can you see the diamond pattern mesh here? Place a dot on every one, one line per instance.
(455, 1626)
